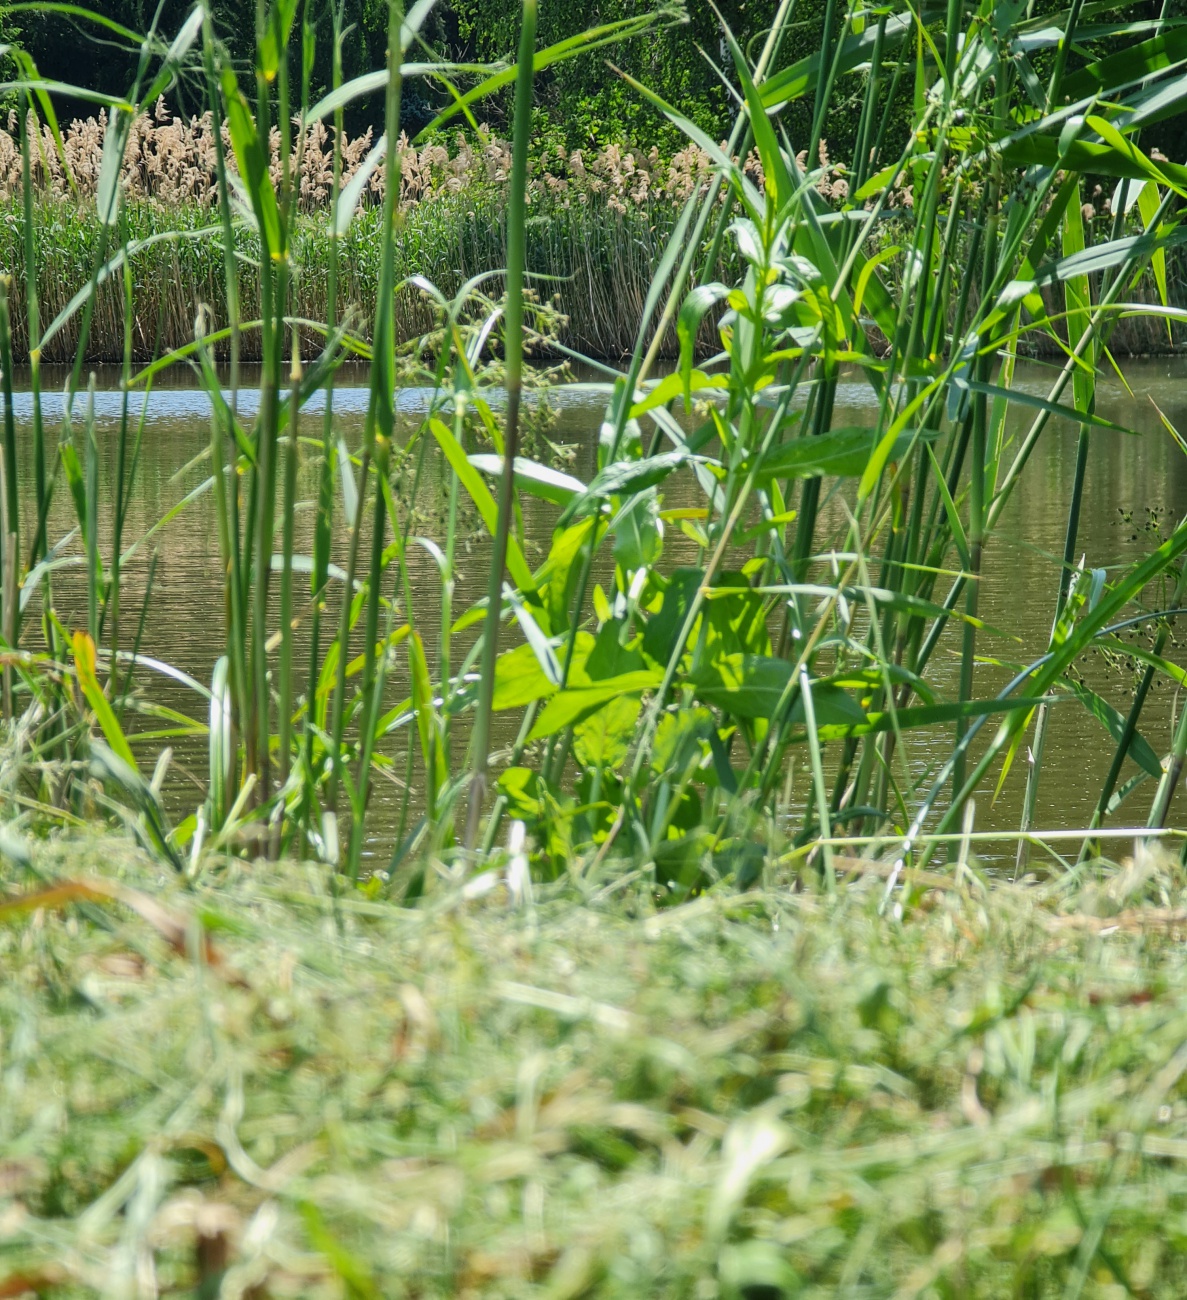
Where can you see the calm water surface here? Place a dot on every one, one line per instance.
(1136, 490)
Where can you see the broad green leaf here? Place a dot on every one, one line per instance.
(520, 786)
(693, 310)
(539, 480)
(1123, 146)
(576, 702)
(638, 535)
(672, 386)
(604, 738)
(609, 657)
(681, 737)
(869, 287)
(519, 679)
(220, 745)
(1154, 103)
(556, 579)
(751, 686)
(737, 618)
(663, 627)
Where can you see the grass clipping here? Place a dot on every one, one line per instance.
(251, 1088)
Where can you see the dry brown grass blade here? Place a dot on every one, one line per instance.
(175, 930)
(24, 1284)
(1132, 920)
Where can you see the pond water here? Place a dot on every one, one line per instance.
(1136, 490)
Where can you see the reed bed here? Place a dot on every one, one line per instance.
(172, 161)
(597, 260)
(599, 225)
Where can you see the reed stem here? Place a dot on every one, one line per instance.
(516, 221)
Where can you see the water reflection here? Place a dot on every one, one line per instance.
(1136, 490)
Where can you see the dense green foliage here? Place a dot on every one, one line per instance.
(582, 104)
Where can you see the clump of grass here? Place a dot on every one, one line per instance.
(253, 1082)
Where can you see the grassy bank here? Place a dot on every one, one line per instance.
(766, 1095)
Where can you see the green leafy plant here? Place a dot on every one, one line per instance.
(681, 716)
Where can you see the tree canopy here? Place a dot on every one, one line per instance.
(581, 103)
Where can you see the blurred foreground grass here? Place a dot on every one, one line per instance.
(251, 1088)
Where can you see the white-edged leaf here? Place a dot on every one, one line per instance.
(539, 480)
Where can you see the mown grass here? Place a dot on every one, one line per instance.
(250, 1083)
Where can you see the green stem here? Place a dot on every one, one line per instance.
(516, 220)
(381, 416)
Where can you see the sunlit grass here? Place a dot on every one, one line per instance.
(772, 1090)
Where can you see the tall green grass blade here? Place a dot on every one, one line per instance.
(516, 238)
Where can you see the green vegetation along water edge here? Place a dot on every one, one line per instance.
(600, 220)
(722, 743)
